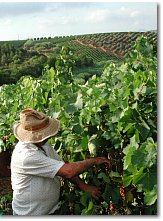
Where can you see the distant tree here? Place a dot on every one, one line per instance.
(83, 60)
(29, 43)
(57, 49)
(12, 54)
(42, 59)
(17, 59)
(4, 59)
(51, 60)
(100, 43)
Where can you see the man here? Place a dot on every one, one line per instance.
(36, 167)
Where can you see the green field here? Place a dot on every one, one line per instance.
(29, 57)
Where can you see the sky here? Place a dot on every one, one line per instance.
(24, 20)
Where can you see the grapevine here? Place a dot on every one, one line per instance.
(113, 115)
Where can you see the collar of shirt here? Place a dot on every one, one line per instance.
(21, 145)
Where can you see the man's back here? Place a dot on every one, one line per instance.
(36, 188)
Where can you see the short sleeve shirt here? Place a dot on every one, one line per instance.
(36, 188)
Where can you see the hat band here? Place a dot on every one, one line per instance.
(44, 124)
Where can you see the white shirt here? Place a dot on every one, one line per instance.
(36, 189)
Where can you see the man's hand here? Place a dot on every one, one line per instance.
(95, 191)
(103, 160)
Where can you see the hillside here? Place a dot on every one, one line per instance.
(117, 44)
(110, 45)
(91, 52)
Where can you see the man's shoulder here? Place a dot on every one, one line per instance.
(23, 153)
(25, 148)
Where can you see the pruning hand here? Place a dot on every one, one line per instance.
(95, 191)
(103, 160)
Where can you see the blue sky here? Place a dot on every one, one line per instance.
(25, 20)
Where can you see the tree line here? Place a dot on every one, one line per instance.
(30, 59)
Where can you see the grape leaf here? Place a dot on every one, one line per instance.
(150, 196)
(128, 151)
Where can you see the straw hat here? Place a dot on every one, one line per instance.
(35, 126)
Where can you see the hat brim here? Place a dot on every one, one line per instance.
(37, 136)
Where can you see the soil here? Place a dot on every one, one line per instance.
(5, 185)
(5, 159)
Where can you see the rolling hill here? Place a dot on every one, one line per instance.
(91, 52)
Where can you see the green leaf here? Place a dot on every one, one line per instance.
(150, 196)
(115, 194)
(111, 193)
(96, 120)
(1, 142)
(138, 176)
(105, 177)
(127, 179)
(12, 138)
(89, 210)
(143, 129)
(85, 197)
(107, 135)
(114, 174)
(134, 141)
(89, 91)
(92, 148)
(128, 127)
(112, 107)
(78, 149)
(79, 101)
(138, 158)
(70, 108)
(84, 143)
(107, 193)
(77, 129)
(90, 206)
(146, 155)
(130, 116)
(2, 147)
(150, 178)
(2, 212)
(128, 151)
(77, 209)
(151, 152)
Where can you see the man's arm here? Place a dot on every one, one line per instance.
(69, 170)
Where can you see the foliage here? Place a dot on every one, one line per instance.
(5, 204)
(17, 62)
(113, 115)
(16, 56)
